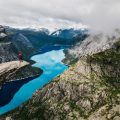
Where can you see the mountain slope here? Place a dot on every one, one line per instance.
(88, 90)
(40, 37)
(21, 43)
(69, 33)
(7, 52)
(9, 48)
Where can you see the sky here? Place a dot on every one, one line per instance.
(98, 15)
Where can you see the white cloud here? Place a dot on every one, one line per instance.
(98, 14)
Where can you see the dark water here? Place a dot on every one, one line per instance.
(50, 47)
(9, 89)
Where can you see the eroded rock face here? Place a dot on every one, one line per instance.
(94, 44)
(7, 52)
(2, 33)
(9, 49)
(23, 44)
(89, 90)
(12, 43)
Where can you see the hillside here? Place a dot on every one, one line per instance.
(39, 38)
(88, 90)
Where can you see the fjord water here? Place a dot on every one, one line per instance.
(50, 63)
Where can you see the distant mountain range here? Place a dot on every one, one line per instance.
(29, 40)
(66, 33)
(69, 33)
(40, 37)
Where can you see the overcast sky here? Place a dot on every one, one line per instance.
(97, 14)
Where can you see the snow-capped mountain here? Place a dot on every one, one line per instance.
(39, 37)
(69, 33)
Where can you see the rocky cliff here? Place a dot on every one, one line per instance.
(15, 71)
(9, 48)
(93, 44)
(22, 43)
(2, 33)
(88, 90)
(7, 52)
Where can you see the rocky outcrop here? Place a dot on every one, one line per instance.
(89, 90)
(2, 33)
(8, 66)
(7, 52)
(91, 45)
(94, 44)
(9, 69)
(12, 43)
(9, 48)
(21, 43)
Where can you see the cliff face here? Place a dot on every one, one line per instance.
(2, 33)
(89, 90)
(9, 47)
(21, 43)
(19, 73)
(7, 52)
(94, 44)
(11, 44)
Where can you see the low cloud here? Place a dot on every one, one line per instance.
(99, 15)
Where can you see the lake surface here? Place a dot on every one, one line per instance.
(52, 66)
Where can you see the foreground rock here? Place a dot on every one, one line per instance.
(89, 90)
(9, 66)
(9, 69)
(17, 70)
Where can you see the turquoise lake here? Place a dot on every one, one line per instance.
(50, 63)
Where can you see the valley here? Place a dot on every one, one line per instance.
(27, 76)
(86, 90)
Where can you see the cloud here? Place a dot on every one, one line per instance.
(103, 15)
